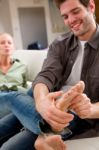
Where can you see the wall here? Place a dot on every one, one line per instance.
(5, 18)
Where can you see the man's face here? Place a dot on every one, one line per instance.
(77, 17)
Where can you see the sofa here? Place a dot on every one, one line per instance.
(33, 59)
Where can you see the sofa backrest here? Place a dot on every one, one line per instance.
(33, 59)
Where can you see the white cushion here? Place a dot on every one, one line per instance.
(33, 59)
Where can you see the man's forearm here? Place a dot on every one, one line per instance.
(40, 91)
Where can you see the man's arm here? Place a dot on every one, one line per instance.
(40, 91)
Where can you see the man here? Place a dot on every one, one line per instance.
(71, 58)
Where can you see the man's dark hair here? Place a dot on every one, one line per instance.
(83, 2)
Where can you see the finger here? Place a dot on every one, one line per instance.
(56, 127)
(80, 98)
(60, 122)
(55, 95)
(85, 107)
(58, 115)
(81, 105)
(84, 110)
(63, 120)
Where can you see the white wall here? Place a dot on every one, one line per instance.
(1, 22)
(5, 18)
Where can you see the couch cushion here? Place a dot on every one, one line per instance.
(33, 59)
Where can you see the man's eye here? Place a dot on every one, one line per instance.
(65, 17)
(76, 11)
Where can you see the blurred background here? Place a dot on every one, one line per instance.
(33, 23)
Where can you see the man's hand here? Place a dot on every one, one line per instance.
(84, 108)
(52, 106)
(48, 110)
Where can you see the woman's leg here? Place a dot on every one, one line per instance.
(9, 126)
(22, 141)
(4, 111)
(23, 107)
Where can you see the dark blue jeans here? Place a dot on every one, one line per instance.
(12, 137)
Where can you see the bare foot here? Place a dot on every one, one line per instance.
(79, 87)
(50, 142)
(64, 102)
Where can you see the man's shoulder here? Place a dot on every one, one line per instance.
(64, 37)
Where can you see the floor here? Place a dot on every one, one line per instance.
(83, 144)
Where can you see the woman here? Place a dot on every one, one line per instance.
(12, 71)
(13, 77)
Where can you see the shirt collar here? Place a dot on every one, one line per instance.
(72, 41)
(94, 41)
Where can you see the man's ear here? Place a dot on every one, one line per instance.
(91, 6)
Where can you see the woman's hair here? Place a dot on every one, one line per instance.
(83, 2)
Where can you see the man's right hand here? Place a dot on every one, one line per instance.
(56, 118)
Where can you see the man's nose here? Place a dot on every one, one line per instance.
(71, 19)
